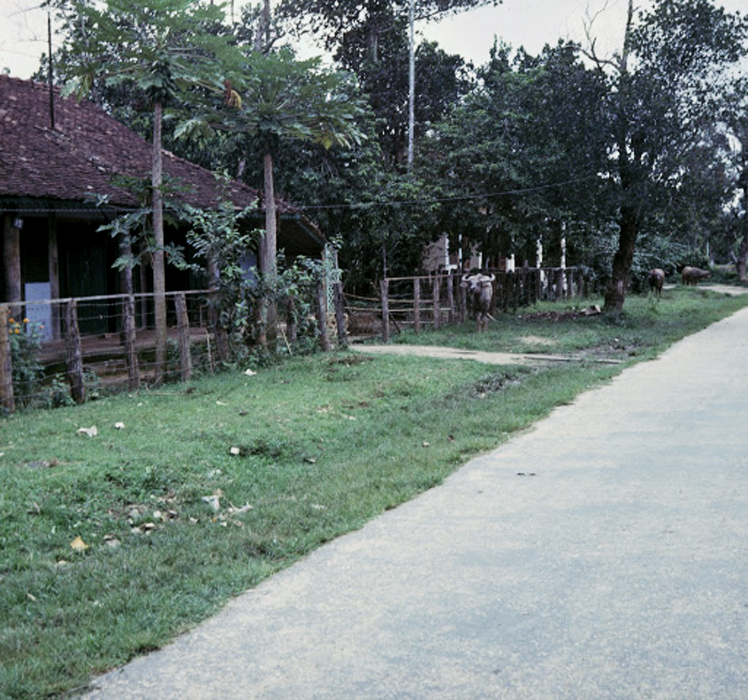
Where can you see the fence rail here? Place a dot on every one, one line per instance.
(417, 302)
(110, 338)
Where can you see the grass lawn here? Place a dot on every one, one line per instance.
(187, 495)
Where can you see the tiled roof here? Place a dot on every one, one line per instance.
(86, 149)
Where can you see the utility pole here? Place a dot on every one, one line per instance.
(411, 84)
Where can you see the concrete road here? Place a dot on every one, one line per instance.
(603, 554)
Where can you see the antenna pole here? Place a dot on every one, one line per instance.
(49, 74)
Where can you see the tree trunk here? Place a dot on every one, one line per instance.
(159, 266)
(628, 165)
(743, 252)
(268, 255)
(624, 257)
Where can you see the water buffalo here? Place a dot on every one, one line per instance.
(691, 275)
(656, 279)
(479, 289)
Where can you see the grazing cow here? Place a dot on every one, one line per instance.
(691, 275)
(656, 280)
(479, 290)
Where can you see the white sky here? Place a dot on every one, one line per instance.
(528, 23)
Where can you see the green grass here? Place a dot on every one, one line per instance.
(321, 445)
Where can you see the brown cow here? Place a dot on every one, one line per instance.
(691, 275)
(656, 280)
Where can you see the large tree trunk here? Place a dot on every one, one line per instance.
(623, 259)
(615, 294)
(159, 265)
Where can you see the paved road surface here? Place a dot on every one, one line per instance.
(603, 554)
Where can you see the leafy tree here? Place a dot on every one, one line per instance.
(735, 120)
(286, 99)
(155, 51)
(662, 89)
(521, 155)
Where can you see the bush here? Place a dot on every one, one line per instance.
(25, 342)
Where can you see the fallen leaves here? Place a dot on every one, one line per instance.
(79, 545)
(214, 501)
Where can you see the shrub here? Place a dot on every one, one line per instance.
(25, 342)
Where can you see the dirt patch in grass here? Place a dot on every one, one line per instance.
(537, 340)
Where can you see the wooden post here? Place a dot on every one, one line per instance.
(220, 337)
(183, 333)
(291, 324)
(145, 258)
(340, 314)
(54, 274)
(12, 264)
(324, 340)
(569, 283)
(417, 305)
(450, 297)
(131, 350)
(7, 400)
(436, 302)
(385, 310)
(75, 354)
(462, 305)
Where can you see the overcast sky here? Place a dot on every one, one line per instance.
(528, 23)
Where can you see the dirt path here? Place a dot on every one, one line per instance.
(491, 358)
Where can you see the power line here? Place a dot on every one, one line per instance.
(442, 200)
(322, 207)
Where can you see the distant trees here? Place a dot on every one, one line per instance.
(522, 153)
(663, 89)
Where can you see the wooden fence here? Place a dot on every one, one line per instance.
(112, 337)
(416, 302)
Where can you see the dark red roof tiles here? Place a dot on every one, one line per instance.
(84, 152)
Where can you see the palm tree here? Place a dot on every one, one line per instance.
(157, 49)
